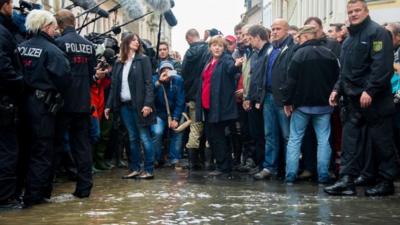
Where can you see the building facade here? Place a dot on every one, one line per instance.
(297, 11)
(254, 12)
(383, 11)
(330, 11)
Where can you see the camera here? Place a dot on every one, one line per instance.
(103, 64)
(172, 73)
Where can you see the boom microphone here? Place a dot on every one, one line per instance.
(170, 18)
(159, 5)
(132, 8)
(90, 4)
(115, 8)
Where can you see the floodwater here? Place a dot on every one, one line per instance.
(177, 197)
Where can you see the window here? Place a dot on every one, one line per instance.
(247, 4)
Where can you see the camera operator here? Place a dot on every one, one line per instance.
(11, 84)
(47, 78)
(100, 128)
(75, 117)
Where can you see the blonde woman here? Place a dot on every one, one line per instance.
(216, 102)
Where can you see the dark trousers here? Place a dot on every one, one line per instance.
(379, 134)
(77, 126)
(367, 161)
(39, 175)
(215, 133)
(256, 132)
(240, 136)
(8, 161)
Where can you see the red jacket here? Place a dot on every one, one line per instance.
(97, 96)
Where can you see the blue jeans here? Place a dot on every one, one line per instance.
(322, 127)
(137, 133)
(94, 131)
(275, 122)
(175, 141)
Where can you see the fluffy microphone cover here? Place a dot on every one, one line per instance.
(88, 4)
(131, 8)
(160, 6)
(85, 4)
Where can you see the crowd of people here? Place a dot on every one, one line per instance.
(285, 102)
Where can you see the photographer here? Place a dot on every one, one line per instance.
(47, 78)
(11, 84)
(169, 92)
(75, 117)
(100, 127)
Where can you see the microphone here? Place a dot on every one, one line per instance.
(90, 5)
(115, 8)
(160, 6)
(132, 8)
(170, 18)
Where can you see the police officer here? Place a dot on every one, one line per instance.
(11, 84)
(75, 116)
(46, 77)
(367, 61)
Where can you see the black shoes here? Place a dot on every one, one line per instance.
(383, 188)
(346, 187)
(79, 195)
(12, 204)
(363, 181)
(343, 187)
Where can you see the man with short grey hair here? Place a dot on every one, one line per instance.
(265, 92)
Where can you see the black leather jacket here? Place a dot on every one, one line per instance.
(11, 81)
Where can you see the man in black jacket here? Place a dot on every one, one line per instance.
(74, 120)
(367, 67)
(163, 55)
(312, 74)
(11, 84)
(192, 66)
(309, 146)
(265, 90)
(259, 41)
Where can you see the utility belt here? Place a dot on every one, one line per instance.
(51, 99)
(8, 111)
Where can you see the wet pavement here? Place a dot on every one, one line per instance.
(177, 197)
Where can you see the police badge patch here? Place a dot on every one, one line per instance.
(377, 46)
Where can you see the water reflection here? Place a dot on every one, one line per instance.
(180, 198)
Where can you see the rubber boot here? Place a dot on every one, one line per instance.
(194, 160)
